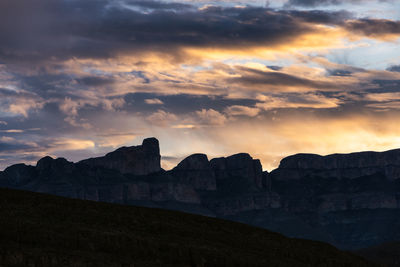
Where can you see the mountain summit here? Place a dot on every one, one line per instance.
(137, 160)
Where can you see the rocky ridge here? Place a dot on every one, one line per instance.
(137, 160)
(349, 200)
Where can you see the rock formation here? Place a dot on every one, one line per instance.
(340, 166)
(349, 200)
(137, 160)
(19, 174)
(239, 165)
(196, 171)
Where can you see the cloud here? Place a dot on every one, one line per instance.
(261, 80)
(154, 5)
(70, 107)
(340, 72)
(274, 67)
(115, 139)
(12, 147)
(162, 118)
(394, 68)
(242, 111)
(7, 139)
(72, 29)
(113, 104)
(183, 126)
(12, 131)
(169, 162)
(383, 101)
(153, 101)
(374, 28)
(210, 117)
(313, 3)
(94, 75)
(23, 106)
(19, 102)
(298, 100)
(95, 81)
(178, 103)
(71, 144)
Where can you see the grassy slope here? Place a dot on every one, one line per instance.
(388, 254)
(43, 230)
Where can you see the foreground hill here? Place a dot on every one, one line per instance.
(44, 230)
(351, 201)
(387, 254)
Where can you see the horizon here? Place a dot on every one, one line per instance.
(269, 78)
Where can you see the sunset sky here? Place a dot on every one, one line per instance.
(271, 78)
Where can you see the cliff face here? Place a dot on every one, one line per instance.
(137, 160)
(340, 166)
(196, 171)
(239, 165)
(349, 200)
(353, 197)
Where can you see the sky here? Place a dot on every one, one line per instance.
(79, 79)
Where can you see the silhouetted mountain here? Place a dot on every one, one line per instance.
(349, 200)
(40, 230)
(137, 160)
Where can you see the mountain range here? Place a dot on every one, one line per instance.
(351, 201)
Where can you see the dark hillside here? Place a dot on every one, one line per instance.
(44, 230)
(387, 254)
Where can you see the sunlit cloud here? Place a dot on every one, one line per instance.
(210, 117)
(114, 140)
(153, 101)
(220, 77)
(242, 111)
(162, 118)
(72, 144)
(308, 100)
(12, 131)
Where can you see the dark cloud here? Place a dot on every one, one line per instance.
(394, 68)
(320, 16)
(373, 27)
(254, 77)
(12, 147)
(313, 3)
(59, 30)
(141, 75)
(339, 72)
(158, 5)
(274, 67)
(178, 104)
(95, 81)
(385, 86)
(310, 3)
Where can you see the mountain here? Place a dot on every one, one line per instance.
(351, 201)
(46, 231)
